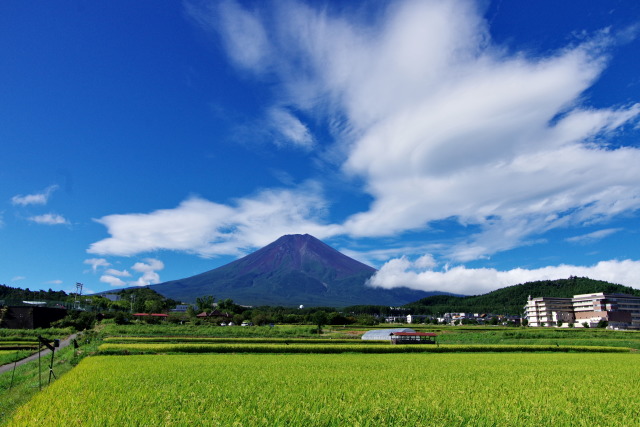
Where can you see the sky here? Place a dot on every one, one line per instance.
(458, 146)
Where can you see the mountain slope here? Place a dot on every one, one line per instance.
(293, 270)
(511, 300)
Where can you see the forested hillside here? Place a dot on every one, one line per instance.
(511, 300)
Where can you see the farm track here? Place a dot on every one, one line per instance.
(9, 366)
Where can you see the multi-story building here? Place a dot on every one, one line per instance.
(547, 311)
(620, 311)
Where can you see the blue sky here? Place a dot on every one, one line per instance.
(456, 146)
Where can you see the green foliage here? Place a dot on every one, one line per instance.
(10, 293)
(205, 303)
(143, 300)
(191, 330)
(367, 320)
(121, 318)
(79, 320)
(320, 319)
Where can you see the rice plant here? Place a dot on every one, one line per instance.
(480, 389)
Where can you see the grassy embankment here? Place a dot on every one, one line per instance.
(18, 386)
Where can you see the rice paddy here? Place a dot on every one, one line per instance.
(343, 389)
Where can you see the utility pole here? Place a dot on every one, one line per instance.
(78, 294)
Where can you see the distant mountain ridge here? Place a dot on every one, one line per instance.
(511, 300)
(294, 270)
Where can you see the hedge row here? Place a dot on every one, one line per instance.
(342, 348)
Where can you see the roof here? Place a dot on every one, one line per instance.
(152, 314)
(414, 334)
(383, 334)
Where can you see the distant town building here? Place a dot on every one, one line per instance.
(620, 311)
(416, 318)
(181, 308)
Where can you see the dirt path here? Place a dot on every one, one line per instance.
(63, 343)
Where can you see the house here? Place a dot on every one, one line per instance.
(395, 319)
(181, 308)
(21, 317)
(417, 318)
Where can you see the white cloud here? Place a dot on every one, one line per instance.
(470, 281)
(97, 262)
(242, 32)
(149, 270)
(54, 282)
(439, 122)
(210, 229)
(34, 199)
(290, 130)
(118, 273)
(49, 219)
(112, 281)
(18, 278)
(594, 236)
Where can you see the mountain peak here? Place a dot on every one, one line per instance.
(295, 269)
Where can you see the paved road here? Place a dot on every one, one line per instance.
(63, 343)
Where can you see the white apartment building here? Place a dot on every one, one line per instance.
(621, 311)
(547, 311)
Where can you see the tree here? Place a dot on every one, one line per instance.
(603, 323)
(153, 306)
(367, 320)
(205, 303)
(121, 318)
(319, 319)
(227, 305)
(259, 319)
(191, 313)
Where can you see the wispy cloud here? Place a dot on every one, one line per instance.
(95, 263)
(461, 280)
(18, 278)
(289, 130)
(49, 219)
(119, 273)
(34, 199)
(440, 122)
(594, 236)
(54, 282)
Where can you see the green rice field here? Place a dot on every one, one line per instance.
(479, 389)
